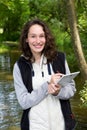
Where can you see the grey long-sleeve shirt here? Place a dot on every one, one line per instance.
(27, 100)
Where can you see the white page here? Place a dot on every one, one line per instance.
(65, 79)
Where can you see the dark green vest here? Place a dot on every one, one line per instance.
(26, 72)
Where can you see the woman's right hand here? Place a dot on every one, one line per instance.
(55, 78)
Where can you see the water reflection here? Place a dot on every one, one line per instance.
(5, 62)
(9, 108)
(10, 111)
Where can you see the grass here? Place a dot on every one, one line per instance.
(7, 46)
(4, 48)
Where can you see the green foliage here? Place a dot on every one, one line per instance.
(13, 12)
(83, 31)
(83, 94)
(3, 48)
(43, 9)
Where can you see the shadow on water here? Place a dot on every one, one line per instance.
(10, 111)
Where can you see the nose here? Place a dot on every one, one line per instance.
(38, 40)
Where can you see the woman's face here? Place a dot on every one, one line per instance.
(36, 39)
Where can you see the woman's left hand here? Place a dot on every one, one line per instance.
(53, 89)
(57, 90)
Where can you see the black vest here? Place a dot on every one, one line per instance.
(26, 72)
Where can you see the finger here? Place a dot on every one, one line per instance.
(51, 88)
(54, 88)
(58, 86)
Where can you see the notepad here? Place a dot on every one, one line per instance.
(66, 79)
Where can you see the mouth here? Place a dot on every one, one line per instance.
(38, 46)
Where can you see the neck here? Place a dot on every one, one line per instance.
(37, 58)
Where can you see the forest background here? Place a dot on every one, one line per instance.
(14, 13)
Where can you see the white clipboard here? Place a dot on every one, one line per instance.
(65, 79)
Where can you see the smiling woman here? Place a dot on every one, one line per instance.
(45, 104)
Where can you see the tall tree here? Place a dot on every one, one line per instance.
(70, 6)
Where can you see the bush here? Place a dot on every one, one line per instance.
(83, 94)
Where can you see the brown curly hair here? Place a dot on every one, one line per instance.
(50, 49)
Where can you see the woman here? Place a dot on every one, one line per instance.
(45, 103)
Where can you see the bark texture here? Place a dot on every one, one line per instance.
(76, 37)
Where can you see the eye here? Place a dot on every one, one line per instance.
(32, 36)
(42, 36)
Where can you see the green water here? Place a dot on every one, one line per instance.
(10, 111)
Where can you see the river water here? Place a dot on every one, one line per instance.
(10, 111)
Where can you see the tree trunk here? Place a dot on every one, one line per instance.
(76, 38)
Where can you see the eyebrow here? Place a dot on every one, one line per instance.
(36, 34)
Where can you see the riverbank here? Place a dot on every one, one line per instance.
(7, 46)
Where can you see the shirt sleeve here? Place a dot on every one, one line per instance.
(69, 90)
(26, 99)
